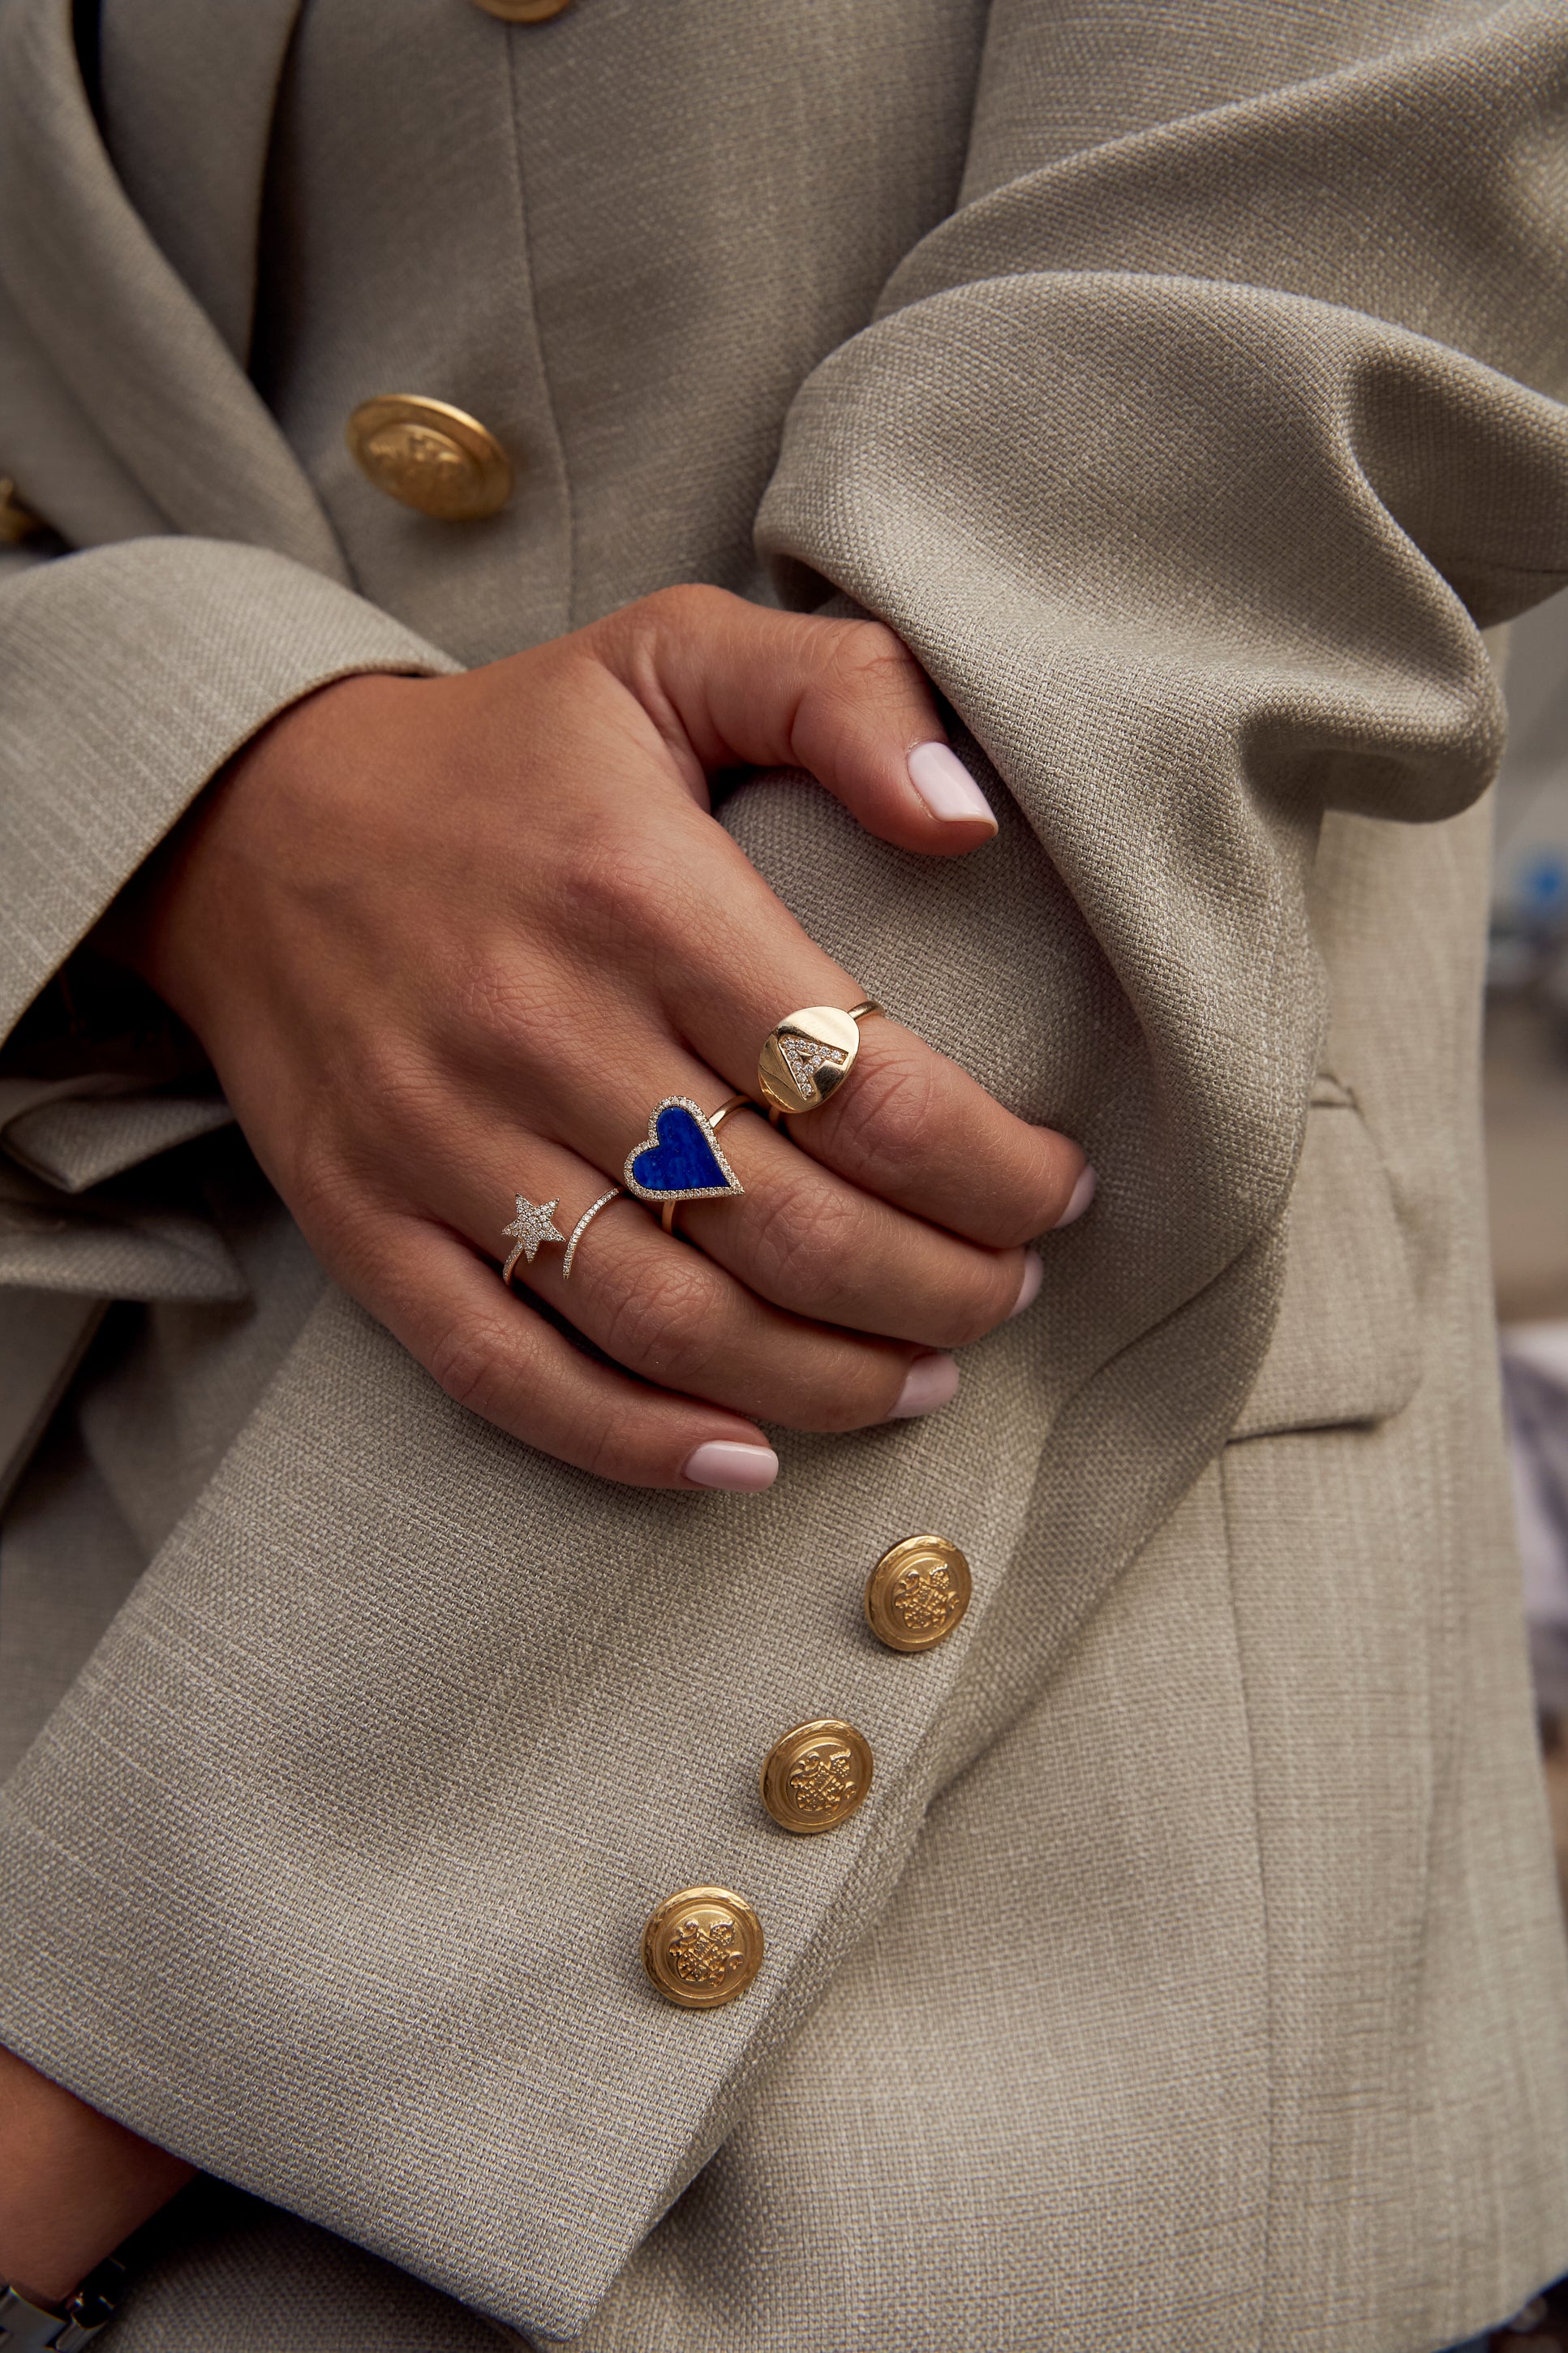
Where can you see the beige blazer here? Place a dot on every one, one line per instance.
(1184, 386)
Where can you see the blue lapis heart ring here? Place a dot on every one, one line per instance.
(680, 1158)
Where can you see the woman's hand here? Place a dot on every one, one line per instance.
(447, 941)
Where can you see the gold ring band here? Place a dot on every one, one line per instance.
(715, 1121)
(582, 1226)
(807, 1056)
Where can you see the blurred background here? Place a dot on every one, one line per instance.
(1526, 1096)
(1527, 1147)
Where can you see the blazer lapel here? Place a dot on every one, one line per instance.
(174, 403)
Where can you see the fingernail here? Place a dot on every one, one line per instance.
(1078, 1199)
(930, 1382)
(1029, 1289)
(725, 1462)
(946, 786)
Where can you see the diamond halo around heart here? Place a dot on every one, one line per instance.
(679, 1159)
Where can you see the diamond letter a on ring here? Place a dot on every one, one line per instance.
(805, 1057)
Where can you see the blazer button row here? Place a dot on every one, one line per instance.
(704, 1946)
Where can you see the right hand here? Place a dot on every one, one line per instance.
(448, 940)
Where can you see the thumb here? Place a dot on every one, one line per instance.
(727, 683)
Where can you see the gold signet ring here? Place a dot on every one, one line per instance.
(809, 1055)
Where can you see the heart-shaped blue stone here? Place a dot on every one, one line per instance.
(680, 1160)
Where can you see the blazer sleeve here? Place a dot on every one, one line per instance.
(184, 589)
(1191, 454)
(1185, 455)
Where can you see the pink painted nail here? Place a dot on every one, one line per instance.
(946, 786)
(1078, 1199)
(931, 1381)
(725, 1462)
(1029, 1289)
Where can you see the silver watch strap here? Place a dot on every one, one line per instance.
(32, 2328)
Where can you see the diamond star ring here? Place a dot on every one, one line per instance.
(533, 1225)
(808, 1057)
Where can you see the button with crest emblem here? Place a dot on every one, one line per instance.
(431, 456)
(702, 1947)
(815, 1776)
(917, 1593)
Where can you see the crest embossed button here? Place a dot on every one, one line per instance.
(702, 1947)
(524, 12)
(431, 456)
(917, 1593)
(815, 1776)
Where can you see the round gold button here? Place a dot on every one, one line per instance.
(431, 456)
(815, 1776)
(917, 1593)
(524, 12)
(702, 1947)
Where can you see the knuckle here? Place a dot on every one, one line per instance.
(406, 1094)
(660, 1324)
(613, 889)
(502, 1014)
(868, 654)
(318, 1184)
(858, 1389)
(604, 1452)
(803, 1238)
(983, 1303)
(468, 1361)
(882, 1122)
(688, 603)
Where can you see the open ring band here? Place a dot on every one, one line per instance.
(715, 1121)
(582, 1226)
(809, 1055)
(534, 1225)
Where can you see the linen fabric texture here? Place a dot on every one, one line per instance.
(1185, 389)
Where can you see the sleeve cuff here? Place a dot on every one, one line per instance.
(136, 671)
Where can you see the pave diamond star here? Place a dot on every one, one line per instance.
(533, 1224)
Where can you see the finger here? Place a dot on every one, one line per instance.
(806, 1238)
(915, 1128)
(798, 1234)
(727, 682)
(493, 1355)
(907, 1124)
(672, 1315)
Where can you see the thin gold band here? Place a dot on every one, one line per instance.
(715, 1119)
(582, 1226)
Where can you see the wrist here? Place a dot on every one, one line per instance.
(73, 2184)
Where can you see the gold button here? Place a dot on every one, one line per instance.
(431, 456)
(917, 1593)
(816, 1774)
(702, 1947)
(524, 12)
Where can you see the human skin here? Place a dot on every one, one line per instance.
(446, 940)
(73, 2184)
